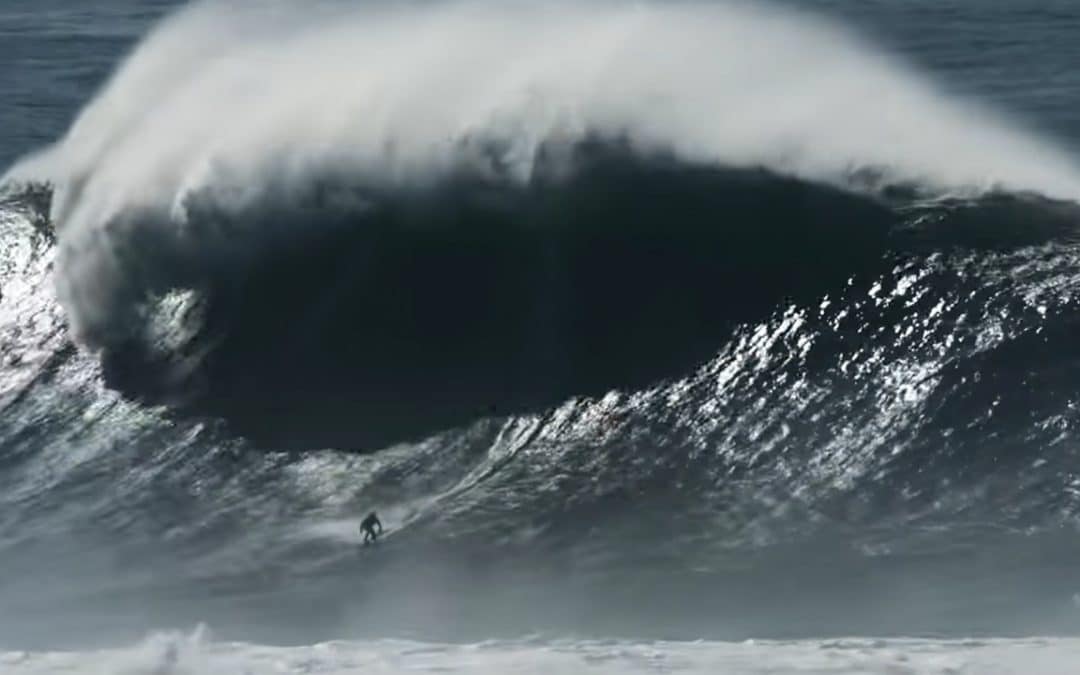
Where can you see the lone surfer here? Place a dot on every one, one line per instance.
(368, 525)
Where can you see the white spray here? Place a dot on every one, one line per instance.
(238, 98)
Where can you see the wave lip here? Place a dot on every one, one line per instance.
(399, 91)
(406, 97)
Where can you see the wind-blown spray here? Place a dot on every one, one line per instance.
(234, 101)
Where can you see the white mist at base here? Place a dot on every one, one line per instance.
(196, 654)
(238, 100)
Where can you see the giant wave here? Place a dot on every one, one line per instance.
(426, 212)
(675, 294)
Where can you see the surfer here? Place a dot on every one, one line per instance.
(368, 525)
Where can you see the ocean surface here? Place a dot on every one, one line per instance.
(668, 337)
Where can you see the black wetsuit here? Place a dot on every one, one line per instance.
(368, 527)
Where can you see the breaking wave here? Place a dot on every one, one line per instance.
(468, 206)
(229, 105)
(676, 293)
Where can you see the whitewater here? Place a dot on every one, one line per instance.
(194, 654)
(234, 102)
(664, 336)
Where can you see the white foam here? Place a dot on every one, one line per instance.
(240, 98)
(223, 89)
(196, 654)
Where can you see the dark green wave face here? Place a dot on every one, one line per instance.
(641, 393)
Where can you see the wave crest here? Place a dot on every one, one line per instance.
(249, 101)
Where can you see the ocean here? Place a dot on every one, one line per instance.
(680, 337)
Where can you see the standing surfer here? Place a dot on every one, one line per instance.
(368, 525)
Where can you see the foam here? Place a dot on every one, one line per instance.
(177, 653)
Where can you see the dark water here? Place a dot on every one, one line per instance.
(660, 398)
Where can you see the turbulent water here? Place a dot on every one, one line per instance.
(664, 337)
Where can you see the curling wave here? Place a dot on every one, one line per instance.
(639, 305)
(467, 207)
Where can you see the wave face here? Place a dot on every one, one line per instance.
(706, 309)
